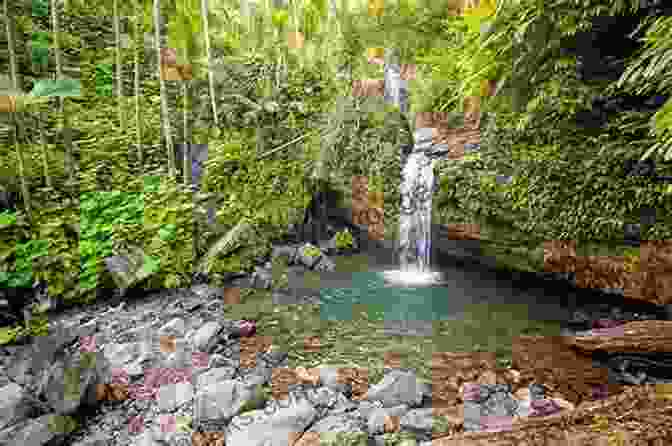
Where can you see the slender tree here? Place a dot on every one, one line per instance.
(211, 76)
(45, 151)
(165, 118)
(67, 136)
(136, 69)
(186, 131)
(117, 53)
(18, 134)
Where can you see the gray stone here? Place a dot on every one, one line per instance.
(13, 405)
(325, 264)
(262, 278)
(33, 432)
(288, 251)
(346, 422)
(223, 400)
(257, 428)
(206, 292)
(213, 376)
(70, 383)
(205, 337)
(172, 396)
(173, 327)
(418, 421)
(490, 401)
(398, 388)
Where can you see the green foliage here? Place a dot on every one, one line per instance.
(40, 8)
(40, 48)
(344, 239)
(7, 218)
(363, 138)
(101, 214)
(104, 77)
(185, 30)
(167, 229)
(9, 334)
(311, 251)
(38, 325)
(274, 185)
(568, 182)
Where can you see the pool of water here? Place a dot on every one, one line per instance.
(386, 293)
(385, 302)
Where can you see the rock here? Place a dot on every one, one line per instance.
(216, 375)
(262, 278)
(205, 337)
(418, 421)
(36, 431)
(283, 428)
(289, 251)
(175, 326)
(172, 396)
(397, 388)
(489, 406)
(222, 401)
(71, 382)
(325, 264)
(14, 406)
(207, 293)
(308, 260)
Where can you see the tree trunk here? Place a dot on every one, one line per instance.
(67, 140)
(136, 68)
(165, 118)
(25, 190)
(14, 117)
(187, 134)
(117, 52)
(45, 154)
(11, 46)
(211, 77)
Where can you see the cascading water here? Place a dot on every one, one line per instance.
(415, 220)
(416, 213)
(415, 216)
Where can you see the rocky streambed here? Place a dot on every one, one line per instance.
(189, 366)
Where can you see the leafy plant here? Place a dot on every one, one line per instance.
(7, 218)
(344, 239)
(311, 251)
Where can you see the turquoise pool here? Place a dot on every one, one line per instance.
(385, 302)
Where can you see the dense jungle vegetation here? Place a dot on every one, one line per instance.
(94, 160)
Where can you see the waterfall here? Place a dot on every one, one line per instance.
(415, 219)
